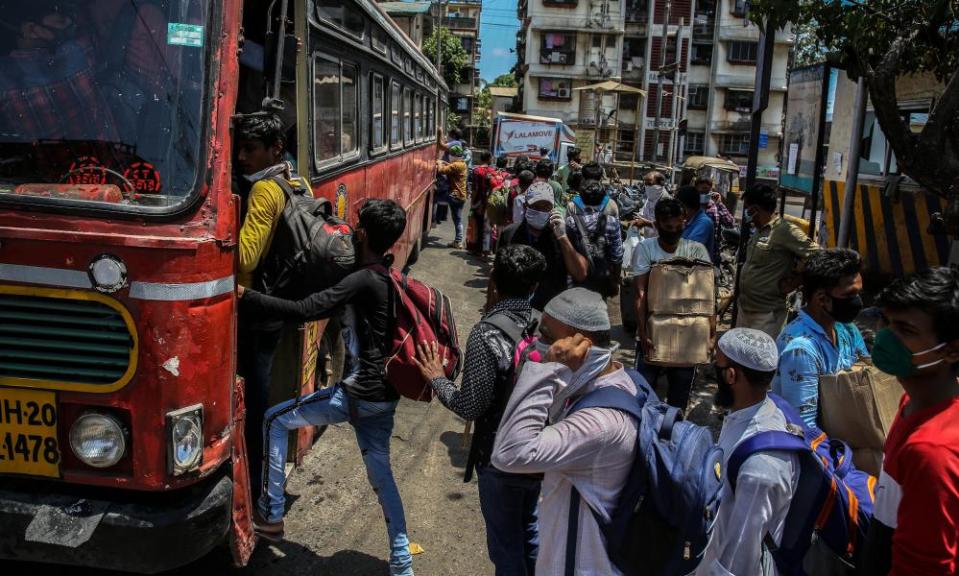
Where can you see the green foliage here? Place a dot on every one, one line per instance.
(859, 34)
(454, 57)
(504, 80)
(484, 103)
(453, 119)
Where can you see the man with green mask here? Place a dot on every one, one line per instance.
(915, 528)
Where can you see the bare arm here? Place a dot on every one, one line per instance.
(576, 264)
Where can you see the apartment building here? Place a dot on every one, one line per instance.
(710, 48)
(417, 19)
(564, 44)
(721, 82)
(462, 18)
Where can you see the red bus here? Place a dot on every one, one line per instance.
(121, 416)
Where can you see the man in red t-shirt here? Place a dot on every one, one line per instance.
(915, 528)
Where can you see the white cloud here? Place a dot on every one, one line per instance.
(500, 52)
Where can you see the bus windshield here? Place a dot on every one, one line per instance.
(101, 101)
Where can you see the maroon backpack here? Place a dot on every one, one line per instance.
(420, 313)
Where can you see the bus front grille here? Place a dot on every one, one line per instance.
(62, 340)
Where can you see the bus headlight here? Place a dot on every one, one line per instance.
(97, 440)
(109, 274)
(185, 431)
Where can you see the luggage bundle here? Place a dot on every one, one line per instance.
(858, 406)
(681, 303)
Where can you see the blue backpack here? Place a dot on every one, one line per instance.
(665, 512)
(833, 499)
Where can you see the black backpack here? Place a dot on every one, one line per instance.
(311, 249)
(600, 278)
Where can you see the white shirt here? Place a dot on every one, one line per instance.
(764, 489)
(649, 252)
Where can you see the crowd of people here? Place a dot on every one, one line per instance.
(551, 469)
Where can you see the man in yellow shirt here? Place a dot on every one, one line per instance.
(457, 172)
(260, 145)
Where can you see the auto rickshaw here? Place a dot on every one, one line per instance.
(723, 173)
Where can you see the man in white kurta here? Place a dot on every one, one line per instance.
(746, 361)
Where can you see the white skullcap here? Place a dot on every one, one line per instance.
(538, 192)
(581, 309)
(753, 349)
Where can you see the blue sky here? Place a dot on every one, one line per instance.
(498, 26)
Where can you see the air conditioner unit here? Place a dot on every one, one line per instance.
(563, 92)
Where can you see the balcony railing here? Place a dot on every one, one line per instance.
(742, 126)
(557, 57)
(704, 32)
(460, 22)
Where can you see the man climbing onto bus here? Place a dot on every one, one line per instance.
(260, 145)
(364, 399)
(457, 172)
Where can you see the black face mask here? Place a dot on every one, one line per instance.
(724, 392)
(845, 310)
(670, 237)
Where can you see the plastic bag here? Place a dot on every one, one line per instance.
(633, 238)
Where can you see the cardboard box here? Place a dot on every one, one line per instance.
(679, 340)
(682, 287)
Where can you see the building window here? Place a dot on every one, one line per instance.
(628, 102)
(418, 107)
(558, 48)
(334, 109)
(624, 144)
(698, 97)
(378, 113)
(695, 143)
(380, 41)
(739, 8)
(396, 102)
(461, 104)
(555, 89)
(739, 100)
(702, 54)
(407, 116)
(561, 3)
(634, 54)
(734, 144)
(743, 52)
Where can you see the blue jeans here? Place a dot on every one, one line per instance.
(456, 212)
(373, 424)
(508, 502)
(680, 379)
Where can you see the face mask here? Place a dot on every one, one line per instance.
(536, 219)
(267, 172)
(893, 357)
(845, 310)
(653, 192)
(724, 392)
(596, 361)
(670, 237)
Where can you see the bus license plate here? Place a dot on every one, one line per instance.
(28, 433)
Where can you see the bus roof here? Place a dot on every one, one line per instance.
(379, 15)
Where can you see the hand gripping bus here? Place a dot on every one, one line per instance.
(121, 415)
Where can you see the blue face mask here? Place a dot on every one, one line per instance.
(537, 220)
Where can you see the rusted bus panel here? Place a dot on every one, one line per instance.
(892, 234)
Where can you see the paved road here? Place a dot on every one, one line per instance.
(334, 525)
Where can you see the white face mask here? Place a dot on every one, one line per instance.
(268, 172)
(536, 219)
(597, 360)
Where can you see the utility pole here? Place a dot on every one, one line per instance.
(764, 71)
(852, 165)
(662, 78)
(677, 74)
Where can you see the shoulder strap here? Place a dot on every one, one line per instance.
(610, 397)
(762, 442)
(507, 324)
(572, 530)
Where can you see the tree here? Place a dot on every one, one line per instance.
(504, 81)
(454, 57)
(882, 41)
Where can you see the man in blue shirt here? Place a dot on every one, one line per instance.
(823, 339)
(699, 226)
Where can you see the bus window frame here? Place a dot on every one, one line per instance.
(407, 116)
(341, 156)
(417, 116)
(396, 93)
(376, 150)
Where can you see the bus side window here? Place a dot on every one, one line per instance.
(407, 117)
(396, 133)
(335, 109)
(378, 113)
